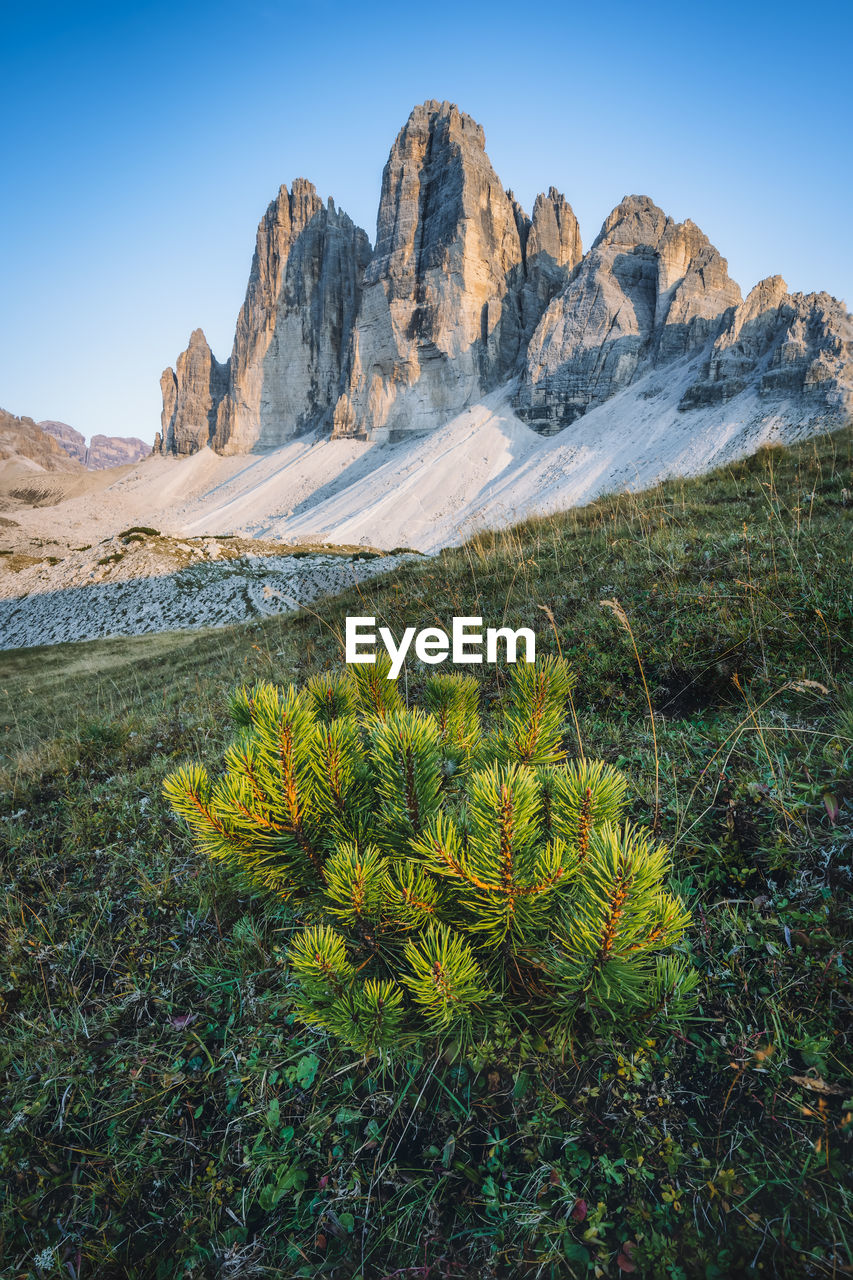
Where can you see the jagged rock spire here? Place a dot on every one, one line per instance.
(464, 291)
(191, 392)
(292, 340)
(650, 289)
(441, 318)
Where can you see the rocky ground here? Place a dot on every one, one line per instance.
(140, 581)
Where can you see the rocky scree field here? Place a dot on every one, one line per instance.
(140, 580)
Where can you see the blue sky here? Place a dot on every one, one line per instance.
(142, 143)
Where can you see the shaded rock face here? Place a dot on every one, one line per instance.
(552, 250)
(786, 345)
(649, 290)
(447, 304)
(192, 393)
(102, 451)
(287, 364)
(293, 332)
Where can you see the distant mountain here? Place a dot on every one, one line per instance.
(102, 451)
(464, 293)
(22, 441)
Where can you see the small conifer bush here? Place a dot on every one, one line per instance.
(445, 876)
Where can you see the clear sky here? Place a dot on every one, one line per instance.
(142, 142)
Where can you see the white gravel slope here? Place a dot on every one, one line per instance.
(484, 468)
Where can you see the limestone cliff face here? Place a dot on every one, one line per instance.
(23, 440)
(71, 440)
(293, 331)
(465, 292)
(649, 290)
(192, 392)
(101, 452)
(292, 340)
(784, 344)
(115, 451)
(442, 317)
(552, 251)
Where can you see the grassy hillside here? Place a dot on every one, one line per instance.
(162, 1115)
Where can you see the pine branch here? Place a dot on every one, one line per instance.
(357, 884)
(454, 702)
(330, 697)
(534, 715)
(444, 979)
(374, 692)
(319, 959)
(407, 769)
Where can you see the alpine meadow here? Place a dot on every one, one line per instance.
(243, 1064)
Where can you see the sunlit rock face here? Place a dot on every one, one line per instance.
(293, 333)
(292, 341)
(464, 293)
(447, 306)
(192, 393)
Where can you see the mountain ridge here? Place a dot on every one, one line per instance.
(101, 451)
(464, 292)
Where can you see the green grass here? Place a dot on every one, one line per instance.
(163, 1115)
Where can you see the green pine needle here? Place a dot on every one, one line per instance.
(427, 896)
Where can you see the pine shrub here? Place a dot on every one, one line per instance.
(445, 877)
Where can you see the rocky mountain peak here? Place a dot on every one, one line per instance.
(286, 217)
(71, 440)
(198, 342)
(102, 451)
(442, 318)
(767, 295)
(649, 290)
(304, 204)
(636, 220)
(437, 176)
(554, 230)
(637, 225)
(443, 119)
(191, 394)
(292, 339)
(51, 445)
(24, 444)
(463, 292)
(789, 347)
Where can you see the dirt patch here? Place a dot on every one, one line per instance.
(681, 692)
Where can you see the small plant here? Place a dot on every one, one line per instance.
(446, 877)
(142, 529)
(100, 738)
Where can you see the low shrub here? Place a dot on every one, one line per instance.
(445, 878)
